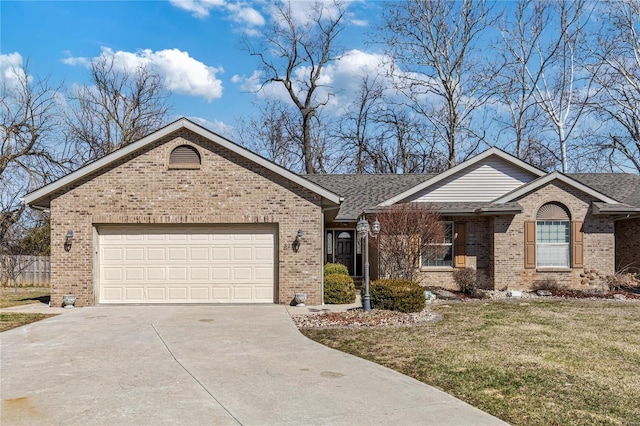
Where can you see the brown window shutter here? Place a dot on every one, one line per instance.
(460, 245)
(577, 245)
(530, 245)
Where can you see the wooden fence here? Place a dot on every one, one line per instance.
(26, 270)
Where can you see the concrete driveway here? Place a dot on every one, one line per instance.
(193, 365)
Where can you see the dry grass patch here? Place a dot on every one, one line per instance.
(9, 320)
(539, 363)
(25, 295)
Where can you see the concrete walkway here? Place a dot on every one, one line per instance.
(193, 365)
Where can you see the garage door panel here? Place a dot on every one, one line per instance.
(135, 294)
(198, 253)
(156, 253)
(111, 274)
(241, 254)
(242, 293)
(113, 254)
(242, 274)
(134, 274)
(134, 253)
(200, 294)
(177, 253)
(218, 274)
(112, 294)
(186, 265)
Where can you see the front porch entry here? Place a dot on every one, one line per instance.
(342, 246)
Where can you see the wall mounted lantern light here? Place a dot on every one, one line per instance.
(67, 240)
(297, 241)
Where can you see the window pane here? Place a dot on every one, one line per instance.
(553, 255)
(548, 231)
(440, 254)
(330, 242)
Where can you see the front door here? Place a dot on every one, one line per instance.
(344, 249)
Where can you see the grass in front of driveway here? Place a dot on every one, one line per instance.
(9, 320)
(539, 363)
(25, 295)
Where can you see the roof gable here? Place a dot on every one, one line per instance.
(40, 197)
(549, 178)
(481, 178)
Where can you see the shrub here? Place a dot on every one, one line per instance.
(622, 281)
(548, 284)
(466, 280)
(397, 295)
(339, 289)
(471, 282)
(335, 268)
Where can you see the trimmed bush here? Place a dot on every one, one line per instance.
(471, 282)
(397, 295)
(335, 268)
(339, 289)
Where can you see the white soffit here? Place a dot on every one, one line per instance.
(461, 167)
(551, 177)
(182, 123)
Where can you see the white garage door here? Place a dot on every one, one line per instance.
(186, 265)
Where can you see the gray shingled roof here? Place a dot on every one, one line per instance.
(622, 187)
(364, 192)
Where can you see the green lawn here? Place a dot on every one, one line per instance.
(538, 363)
(9, 297)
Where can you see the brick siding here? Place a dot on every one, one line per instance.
(228, 188)
(508, 251)
(628, 245)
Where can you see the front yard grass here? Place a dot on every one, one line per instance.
(25, 295)
(537, 363)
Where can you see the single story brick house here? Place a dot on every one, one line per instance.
(186, 216)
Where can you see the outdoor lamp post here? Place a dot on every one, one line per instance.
(363, 230)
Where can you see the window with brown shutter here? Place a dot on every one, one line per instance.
(184, 156)
(577, 245)
(530, 244)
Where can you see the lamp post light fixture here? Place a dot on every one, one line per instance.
(364, 230)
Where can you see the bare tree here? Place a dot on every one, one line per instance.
(617, 74)
(356, 126)
(403, 146)
(30, 154)
(118, 108)
(435, 45)
(406, 231)
(294, 55)
(273, 133)
(544, 51)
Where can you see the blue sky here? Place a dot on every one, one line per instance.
(193, 44)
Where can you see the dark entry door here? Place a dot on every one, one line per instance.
(344, 249)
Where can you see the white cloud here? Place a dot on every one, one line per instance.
(341, 78)
(216, 126)
(239, 11)
(180, 72)
(11, 71)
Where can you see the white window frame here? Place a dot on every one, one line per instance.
(557, 247)
(424, 262)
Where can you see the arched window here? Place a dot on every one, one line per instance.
(184, 156)
(553, 236)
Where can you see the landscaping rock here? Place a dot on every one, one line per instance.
(445, 294)
(543, 293)
(620, 297)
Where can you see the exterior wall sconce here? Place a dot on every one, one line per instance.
(297, 241)
(67, 240)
